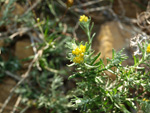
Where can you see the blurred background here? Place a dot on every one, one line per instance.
(33, 65)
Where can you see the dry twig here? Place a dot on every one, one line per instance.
(16, 77)
(16, 105)
(24, 77)
(86, 4)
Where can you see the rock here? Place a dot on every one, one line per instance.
(128, 7)
(18, 9)
(23, 50)
(1, 43)
(5, 56)
(6, 85)
(111, 36)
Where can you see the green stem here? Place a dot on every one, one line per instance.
(89, 38)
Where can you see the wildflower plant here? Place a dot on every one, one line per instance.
(96, 90)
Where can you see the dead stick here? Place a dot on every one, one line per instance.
(16, 104)
(39, 53)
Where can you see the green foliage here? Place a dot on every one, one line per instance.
(6, 65)
(145, 105)
(7, 12)
(97, 92)
(44, 88)
(44, 91)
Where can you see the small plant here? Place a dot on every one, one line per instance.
(44, 86)
(6, 63)
(97, 91)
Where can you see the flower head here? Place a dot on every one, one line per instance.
(78, 59)
(148, 48)
(144, 99)
(83, 18)
(77, 51)
(82, 48)
(79, 54)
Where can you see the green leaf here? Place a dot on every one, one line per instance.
(135, 61)
(95, 58)
(123, 108)
(74, 76)
(69, 65)
(90, 66)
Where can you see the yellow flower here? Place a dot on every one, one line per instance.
(73, 52)
(77, 51)
(81, 59)
(83, 48)
(144, 99)
(81, 55)
(78, 59)
(148, 48)
(83, 18)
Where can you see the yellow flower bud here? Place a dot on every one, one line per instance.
(144, 99)
(70, 3)
(77, 60)
(81, 59)
(77, 51)
(148, 48)
(81, 55)
(73, 52)
(38, 19)
(83, 48)
(83, 18)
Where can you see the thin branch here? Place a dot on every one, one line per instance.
(24, 30)
(16, 104)
(91, 9)
(25, 109)
(87, 4)
(32, 7)
(7, 107)
(16, 77)
(74, 30)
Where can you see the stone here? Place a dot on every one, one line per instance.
(18, 9)
(6, 85)
(111, 36)
(1, 42)
(23, 50)
(128, 7)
